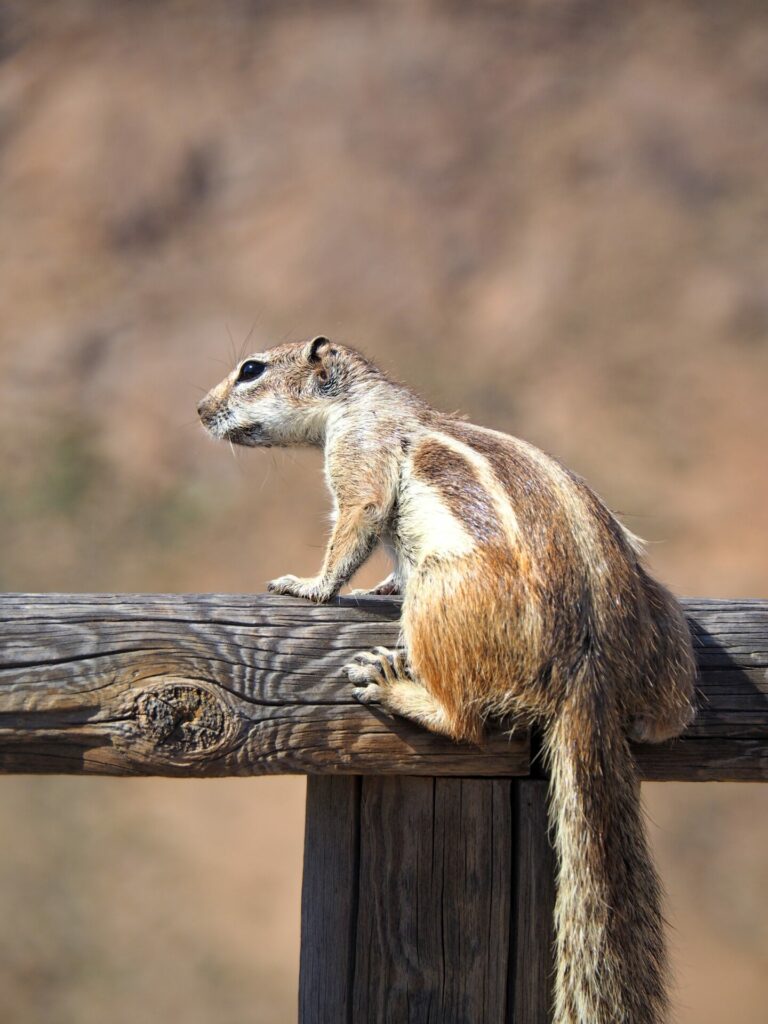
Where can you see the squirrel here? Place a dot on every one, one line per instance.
(523, 598)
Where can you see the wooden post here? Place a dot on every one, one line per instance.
(426, 901)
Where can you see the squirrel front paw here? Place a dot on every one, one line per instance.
(312, 589)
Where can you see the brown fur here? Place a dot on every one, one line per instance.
(523, 597)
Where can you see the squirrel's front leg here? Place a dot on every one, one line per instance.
(354, 537)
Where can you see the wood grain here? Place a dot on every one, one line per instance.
(426, 901)
(329, 900)
(532, 921)
(434, 901)
(198, 685)
(210, 685)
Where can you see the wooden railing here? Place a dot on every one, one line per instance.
(428, 878)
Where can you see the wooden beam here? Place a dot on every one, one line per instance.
(207, 685)
(196, 685)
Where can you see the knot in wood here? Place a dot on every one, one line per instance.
(182, 717)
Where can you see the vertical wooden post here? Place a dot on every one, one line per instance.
(426, 901)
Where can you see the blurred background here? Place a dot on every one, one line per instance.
(549, 214)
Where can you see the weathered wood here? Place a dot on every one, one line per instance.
(244, 685)
(210, 685)
(329, 899)
(435, 888)
(532, 917)
(427, 901)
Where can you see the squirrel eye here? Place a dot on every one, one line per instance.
(250, 370)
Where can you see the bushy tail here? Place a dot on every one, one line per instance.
(611, 963)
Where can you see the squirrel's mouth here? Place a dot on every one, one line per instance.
(219, 425)
(252, 436)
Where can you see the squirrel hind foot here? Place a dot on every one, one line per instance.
(647, 729)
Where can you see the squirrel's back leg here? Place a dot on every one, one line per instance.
(383, 678)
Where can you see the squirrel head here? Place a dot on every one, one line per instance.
(284, 396)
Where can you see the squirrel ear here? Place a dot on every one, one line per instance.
(318, 348)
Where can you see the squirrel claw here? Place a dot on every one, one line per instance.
(367, 694)
(378, 668)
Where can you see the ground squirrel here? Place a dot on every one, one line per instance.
(523, 596)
